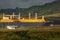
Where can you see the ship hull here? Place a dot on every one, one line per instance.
(33, 24)
(21, 24)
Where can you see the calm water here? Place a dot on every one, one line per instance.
(21, 24)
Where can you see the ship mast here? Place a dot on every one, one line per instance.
(42, 17)
(29, 15)
(13, 15)
(35, 15)
(19, 16)
(3, 15)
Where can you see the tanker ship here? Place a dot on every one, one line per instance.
(18, 21)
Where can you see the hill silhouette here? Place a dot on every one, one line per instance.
(46, 9)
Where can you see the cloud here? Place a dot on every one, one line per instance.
(21, 3)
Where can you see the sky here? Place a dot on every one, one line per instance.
(21, 3)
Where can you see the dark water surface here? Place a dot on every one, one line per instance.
(2, 24)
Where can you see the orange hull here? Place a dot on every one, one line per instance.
(32, 20)
(23, 20)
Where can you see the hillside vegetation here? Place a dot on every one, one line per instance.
(31, 33)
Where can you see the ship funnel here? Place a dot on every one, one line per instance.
(35, 15)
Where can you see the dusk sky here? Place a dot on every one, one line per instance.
(22, 3)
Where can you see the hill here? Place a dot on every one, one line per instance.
(46, 9)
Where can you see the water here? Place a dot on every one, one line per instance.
(2, 24)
